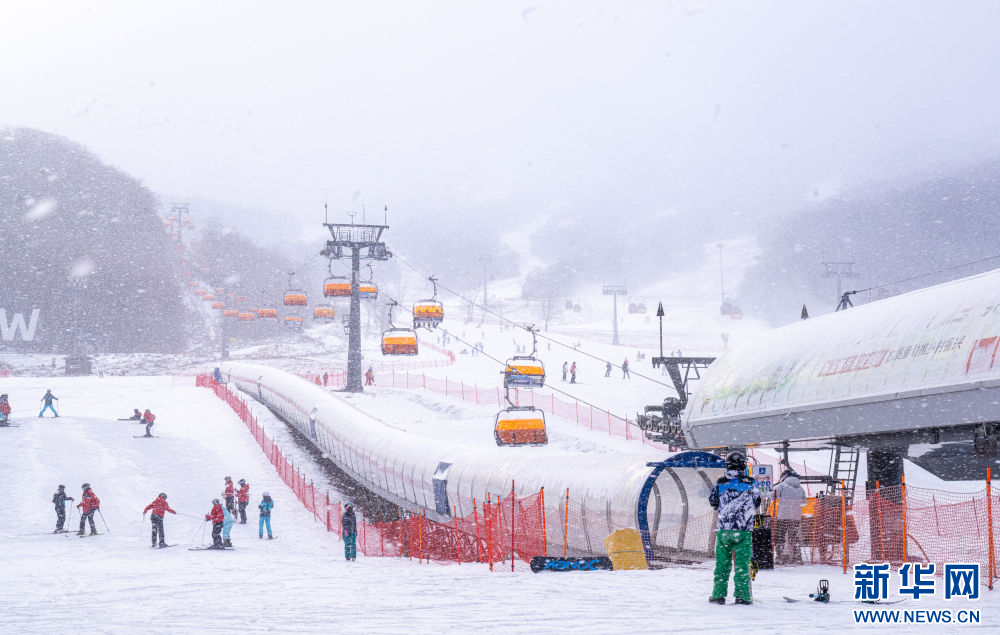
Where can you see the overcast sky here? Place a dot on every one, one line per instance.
(467, 108)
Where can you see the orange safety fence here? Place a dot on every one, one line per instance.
(938, 526)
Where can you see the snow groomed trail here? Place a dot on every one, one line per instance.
(300, 582)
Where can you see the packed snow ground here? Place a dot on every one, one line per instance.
(299, 582)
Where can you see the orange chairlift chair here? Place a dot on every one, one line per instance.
(525, 371)
(428, 313)
(398, 340)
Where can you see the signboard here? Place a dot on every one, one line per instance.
(764, 475)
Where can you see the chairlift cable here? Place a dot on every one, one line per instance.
(512, 322)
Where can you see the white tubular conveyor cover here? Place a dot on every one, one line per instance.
(402, 467)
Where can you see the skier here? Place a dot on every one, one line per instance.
(607, 370)
(149, 418)
(625, 374)
(326, 378)
(159, 506)
(565, 369)
(227, 526)
(369, 377)
(59, 500)
(136, 415)
(736, 497)
(88, 506)
(47, 398)
(349, 527)
(572, 373)
(790, 499)
(265, 506)
(229, 495)
(243, 499)
(4, 410)
(216, 516)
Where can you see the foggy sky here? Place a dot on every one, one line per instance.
(538, 109)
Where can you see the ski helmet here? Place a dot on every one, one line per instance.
(85, 486)
(266, 495)
(242, 481)
(163, 496)
(229, 478)
(215, 501)
(736, 461)
(62, 487)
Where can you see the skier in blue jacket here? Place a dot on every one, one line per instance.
(265, 506)
(736, 497)
(47, 398)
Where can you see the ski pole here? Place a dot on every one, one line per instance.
(141, 523)
(195, 535)
(102, 520)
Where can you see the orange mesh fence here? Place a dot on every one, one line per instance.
(896, 525)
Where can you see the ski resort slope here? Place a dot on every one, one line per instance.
(298, 583)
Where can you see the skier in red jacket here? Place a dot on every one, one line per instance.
(4, 410)
(159, 506)
(216, 516)
(230, 495)
(88, 506)
(148, 418)
(243, 499)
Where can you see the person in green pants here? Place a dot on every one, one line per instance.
(349, 529)
(736, 497)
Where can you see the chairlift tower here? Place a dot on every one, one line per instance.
(352, 239)
(614, 291)
(179, 210)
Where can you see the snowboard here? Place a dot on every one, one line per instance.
(543, 563)
(211, 548)
(874, 602)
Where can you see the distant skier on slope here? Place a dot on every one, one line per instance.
(565, 369)
(59, 500)
(149, 418)
(4, 410)
(265, 506)
(227, 526)
(216, 516)
(243, 499)
(736, 497)
(607, 370)
(349, 529)
(625, 374)
(369, 377)
(136, 415)
(88, 506)
(159, 506)
(47, 399)
(230, 495)
(572, 373)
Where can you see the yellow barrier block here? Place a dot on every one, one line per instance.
(624, 547)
